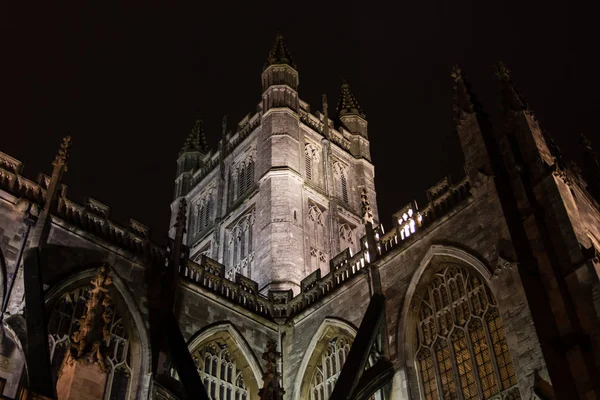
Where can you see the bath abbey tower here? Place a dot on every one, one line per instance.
(280, 281)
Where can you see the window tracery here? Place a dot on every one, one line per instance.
(316, 225)
(329, 367)
(462, 347)
(346, 237)
(240, 251)
(219, 372)
(64, 322)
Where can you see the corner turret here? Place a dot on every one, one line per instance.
(280, 79)
(350, 114)
(190, 158)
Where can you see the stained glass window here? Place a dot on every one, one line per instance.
(461, 345)
(219, 373)
(64, 321)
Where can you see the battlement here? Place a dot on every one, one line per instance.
(92, 217)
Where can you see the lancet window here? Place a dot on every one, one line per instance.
(311, 158)
(245, 177)
(341, 181)
(219, 372)
(344, 186)
(64, 322)
(462, 350)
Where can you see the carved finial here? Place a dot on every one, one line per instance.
(463, 98)
(366, 207)
(63, 153)
(89, 341)
(585, 141)
(272, 389)
(347, 103)
(512, 100)
(180, 221)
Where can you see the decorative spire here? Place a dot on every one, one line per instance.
(89, 341)
(366, 208)
(463, 98)
(272, 389)
(224, 126)
(63, 153)
(196, 141)
(347, 103)
(511, 98)
(279, 54)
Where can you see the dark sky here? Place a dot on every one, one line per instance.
(128, 81)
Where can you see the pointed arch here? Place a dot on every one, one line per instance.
(127, 305)
(423, 344)
(329, 327)
(241, 353)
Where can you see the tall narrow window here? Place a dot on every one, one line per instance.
(461, 346)
(241, 180)
(308, 164)
(344, 187)
(249, 175)
(207, 211)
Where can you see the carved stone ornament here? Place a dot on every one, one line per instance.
(502, 265)
(63, 153)
(366, 207)
(271, 390)
(181, 219)
(89, 341)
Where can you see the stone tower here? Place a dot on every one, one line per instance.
(280, 196)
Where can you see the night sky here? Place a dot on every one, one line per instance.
(128, 81)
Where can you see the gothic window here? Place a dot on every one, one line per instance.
(311, 156)
(462, 350)
(219, 372)
(329, 368)
(239, 253)
(64, 322)
(346, 237)
(241, 181)
(308, 165)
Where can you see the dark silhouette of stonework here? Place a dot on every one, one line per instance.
(279, 281)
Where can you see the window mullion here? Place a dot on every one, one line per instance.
(457, 377)
(492, 351)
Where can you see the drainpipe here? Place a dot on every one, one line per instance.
(30, 221)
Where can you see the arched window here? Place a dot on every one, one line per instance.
(329, 368)
(461, 346)
(219, 372)
(64, 322)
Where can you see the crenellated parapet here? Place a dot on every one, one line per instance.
(93, 217)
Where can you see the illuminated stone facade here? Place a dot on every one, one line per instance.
(278, 251)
